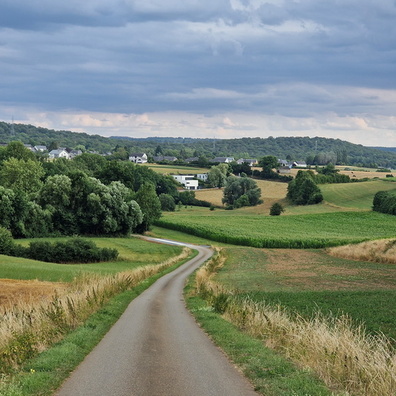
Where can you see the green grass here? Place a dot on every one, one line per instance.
(134, 252)
(315, 281)
(300, 231)
(42, 375)
(176, 169)
(354, 195)
(269, 372)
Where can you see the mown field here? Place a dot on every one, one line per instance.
(308, 281)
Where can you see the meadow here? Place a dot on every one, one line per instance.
(133, 253)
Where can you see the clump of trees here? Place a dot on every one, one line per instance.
(385, 202)
(303, 190)
(241, 191)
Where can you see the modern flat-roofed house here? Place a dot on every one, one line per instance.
(189, 181)
(138, 158)
(59, 153)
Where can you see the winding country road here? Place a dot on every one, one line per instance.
(157, 349)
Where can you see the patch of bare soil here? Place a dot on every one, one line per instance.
(14, 292)
(310, 270)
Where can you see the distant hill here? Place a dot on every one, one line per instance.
(390, 149)
(313, 150)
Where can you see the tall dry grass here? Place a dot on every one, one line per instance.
(379, 251)
(28, 329)
(344, 356)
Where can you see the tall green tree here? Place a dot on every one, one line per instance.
(150, 205)
(217, 175)
(20, 174)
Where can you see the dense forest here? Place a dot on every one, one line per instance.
(312, 150)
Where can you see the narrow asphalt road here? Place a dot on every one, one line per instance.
(157, 349)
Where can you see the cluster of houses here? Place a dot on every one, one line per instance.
(61, 152)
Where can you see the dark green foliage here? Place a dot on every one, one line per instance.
(76, 250)
(329, 174)
(385, 202)
(303, 189)
(167, 202)
(188, 198)
(6, 242)
(241, 191)
(276, 209)
(150, 206)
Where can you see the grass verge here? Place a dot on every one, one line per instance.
(42, 375)
(270, 373)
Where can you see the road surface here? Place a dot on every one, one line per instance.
(157, 349)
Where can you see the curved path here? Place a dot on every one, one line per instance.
(156, 348)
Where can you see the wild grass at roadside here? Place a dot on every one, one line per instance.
(27, 330)
(343, 355)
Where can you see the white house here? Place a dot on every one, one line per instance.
(138, 158)
(299, 164)
(222, 160)
(40, 148)
(189, 181)
(59, 153)
(202, 176)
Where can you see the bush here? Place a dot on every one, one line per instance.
(276, 209)
(76, 250)
(385, 202)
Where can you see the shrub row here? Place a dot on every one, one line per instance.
(75, 250)
(385, 202)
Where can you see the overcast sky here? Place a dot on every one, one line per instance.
(202, 68)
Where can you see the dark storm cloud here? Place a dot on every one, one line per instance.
(295, 58)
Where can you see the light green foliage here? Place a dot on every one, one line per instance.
(20, 174)
(16, 150)
(217, 175)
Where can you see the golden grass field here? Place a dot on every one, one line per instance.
(26, 291)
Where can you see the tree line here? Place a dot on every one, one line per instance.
(315, 151)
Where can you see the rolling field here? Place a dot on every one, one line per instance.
(297, 231)
(134, 253)
(355, 195)
(306, 281)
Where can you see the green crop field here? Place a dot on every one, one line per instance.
(133, 252)
(355, 195)
(306, 281)
(297, 231)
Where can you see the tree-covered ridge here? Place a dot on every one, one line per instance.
(316, 150)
